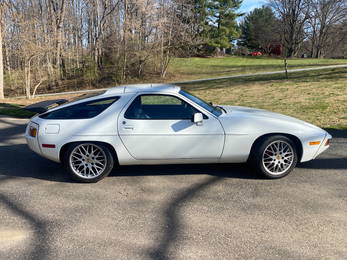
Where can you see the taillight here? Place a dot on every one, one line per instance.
(32, 131)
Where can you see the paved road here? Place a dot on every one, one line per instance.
(174, 212)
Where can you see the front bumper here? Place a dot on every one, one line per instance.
(324, 145)
(310, 152)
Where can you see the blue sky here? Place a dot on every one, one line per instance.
(249, 5)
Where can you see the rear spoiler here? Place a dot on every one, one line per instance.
(43, 106)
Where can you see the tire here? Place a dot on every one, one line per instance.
(88, 162)
(275, 156)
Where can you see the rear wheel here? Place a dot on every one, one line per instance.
(275, 157)
(88, 162)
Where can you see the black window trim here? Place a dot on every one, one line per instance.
(161, 94)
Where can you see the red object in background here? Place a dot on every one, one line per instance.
(256, 53)
(276, 49)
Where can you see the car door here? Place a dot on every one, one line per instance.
(160, 127)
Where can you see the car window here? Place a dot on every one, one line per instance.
(83, 110)
(160, 107)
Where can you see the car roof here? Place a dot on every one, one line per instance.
(142, 88)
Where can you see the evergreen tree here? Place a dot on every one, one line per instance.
(260, 29)
(222, 22)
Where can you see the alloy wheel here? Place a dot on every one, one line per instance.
(88, 160)
(278, 157)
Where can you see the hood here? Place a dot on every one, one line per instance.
(248, 112)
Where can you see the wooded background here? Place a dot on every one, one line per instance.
(49, 45)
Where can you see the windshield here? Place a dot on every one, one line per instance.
(214, 110)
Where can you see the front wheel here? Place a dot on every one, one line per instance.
(88, 162)
(275, 157)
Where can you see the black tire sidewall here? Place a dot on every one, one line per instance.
(109, 163)
(257, 155)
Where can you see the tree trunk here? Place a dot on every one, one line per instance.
(59, 31)
(285, 67)
(1, 60)
(27, 79)
(125, 31)
(8, 64)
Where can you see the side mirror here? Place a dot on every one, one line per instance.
(198, 118)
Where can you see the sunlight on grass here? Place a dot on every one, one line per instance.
(319, 97)
(199, 68)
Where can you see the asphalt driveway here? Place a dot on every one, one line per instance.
(170, 212)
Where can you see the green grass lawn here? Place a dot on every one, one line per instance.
(319, 97)
(182, 69)
(14, 110)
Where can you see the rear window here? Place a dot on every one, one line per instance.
(83, 110)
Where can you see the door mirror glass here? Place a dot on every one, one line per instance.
(198, 117)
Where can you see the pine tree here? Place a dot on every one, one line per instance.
(222, 22)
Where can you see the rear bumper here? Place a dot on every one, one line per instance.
(33, 142)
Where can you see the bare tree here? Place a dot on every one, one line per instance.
(336, 45)
(52, 44)
(324, 15)
(293, 15)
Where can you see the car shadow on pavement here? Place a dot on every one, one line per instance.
(337, 133)
(11, 130)
(239, 171)
(18, 161)
(325, 163)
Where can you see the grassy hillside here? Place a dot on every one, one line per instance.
(198, 68)
(319, 97)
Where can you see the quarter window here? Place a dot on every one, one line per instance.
(83, 110)
(160, 107)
